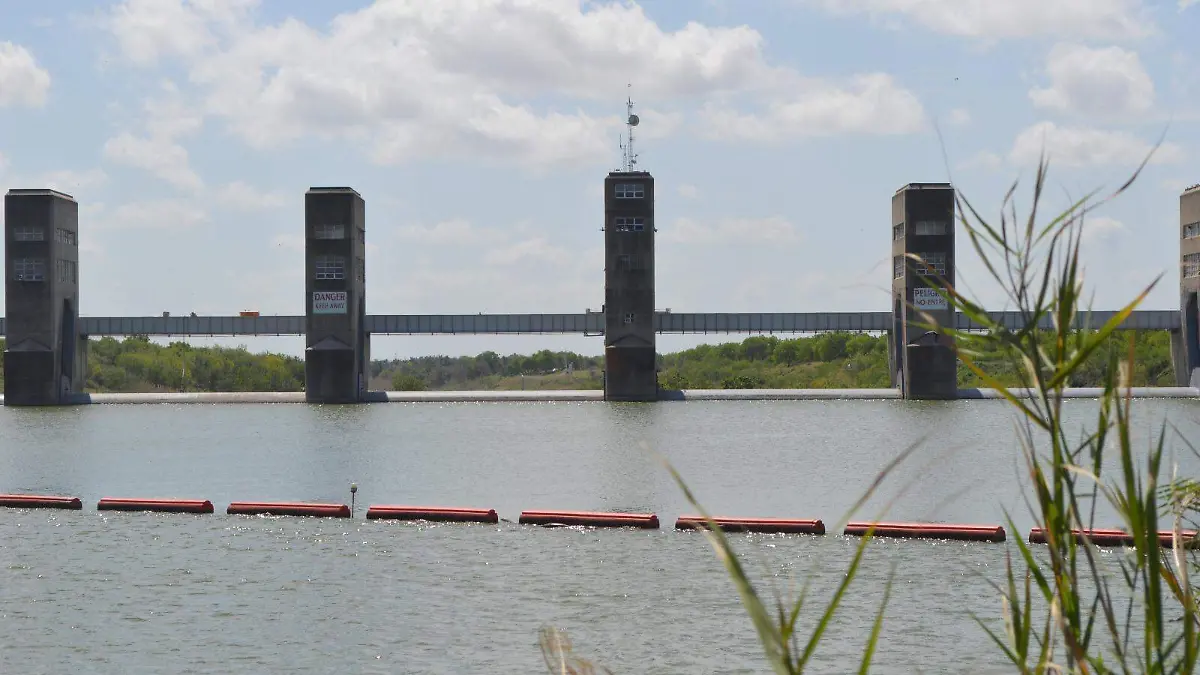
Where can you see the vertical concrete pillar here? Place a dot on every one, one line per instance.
(1187, 356)
(336, 353)
(630, 368)
(923, 362)
(43, 357)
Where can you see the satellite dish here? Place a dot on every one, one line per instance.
(633, 120)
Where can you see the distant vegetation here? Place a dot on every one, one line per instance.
(830, 360)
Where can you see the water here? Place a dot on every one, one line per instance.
(90, 592)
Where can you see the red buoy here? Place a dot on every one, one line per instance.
(433, 513)
(769, 525)
(929, 531)
(160, 505)
(41, 502)
(647, 521)
(289, 509)
(1110, 537)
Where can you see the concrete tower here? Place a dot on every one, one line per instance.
(1186, 345)
(338, 347)
(45, 355)
(922, 360)
(630, 364)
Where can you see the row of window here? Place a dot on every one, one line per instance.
(67, 271)
(1191, 265)
(1191, 230)
(629, 224)
(922, 228)
(333, 267)
(37, 233)
(336, 231)
(34, 269)
(629, 190)
(930, 264)
(630, 261)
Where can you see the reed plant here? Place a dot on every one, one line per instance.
(1064, 609)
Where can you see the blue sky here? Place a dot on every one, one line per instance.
(479, 133)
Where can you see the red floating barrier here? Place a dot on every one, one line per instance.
(1110, 537)
(433, 513)
(289, 509)
(928, 531)
(41, 502)
(647, 521)
(160, 505)
(768, 525)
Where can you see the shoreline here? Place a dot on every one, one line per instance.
(596, 395)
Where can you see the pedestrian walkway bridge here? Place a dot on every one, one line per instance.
(588, 323)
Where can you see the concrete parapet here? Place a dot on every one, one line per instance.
(595, 395)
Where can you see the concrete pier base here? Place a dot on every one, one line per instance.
(630, 374)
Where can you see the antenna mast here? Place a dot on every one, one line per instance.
(628, 156)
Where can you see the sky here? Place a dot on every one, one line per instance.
(479, 133)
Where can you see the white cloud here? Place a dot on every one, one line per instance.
(166, 118)
(457, 231)
(1184, 4)
(151, 29)
(982, 159)
(959, 117)
(239, 195)
(1099, 228)
(161, 156)
(871, 104)
(22, 81)
(530, 251)
(1083, 146)
(171, 214)
(71, 181)
(688, 191)
(1102, 82)
(992, 19)
(773, 229)
(404, 79)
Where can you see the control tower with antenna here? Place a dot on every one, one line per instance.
(630, 356)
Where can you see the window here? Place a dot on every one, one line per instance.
(928, 227)
(66, 271)
(898, 232)
(28, 233)
(629, 190)
(360, 269)
(1191, 265)
(931, 264)
(1191, 230)
(898, 267)
(627, 224)
(629, 261)
(65, 237)
(331, 267)
(629, 317)
(362, 237)
(29, 269)
(329, 231)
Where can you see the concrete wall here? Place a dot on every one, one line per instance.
(1187, 354)
(336, 347)
(43, 354)
(918, 210)
(630, 371)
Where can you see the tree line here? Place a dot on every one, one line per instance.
(828, 360)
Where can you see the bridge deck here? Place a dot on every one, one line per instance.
(587, 323)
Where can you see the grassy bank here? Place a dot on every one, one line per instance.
(831, 360)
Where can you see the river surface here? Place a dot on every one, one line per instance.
(91, 592)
